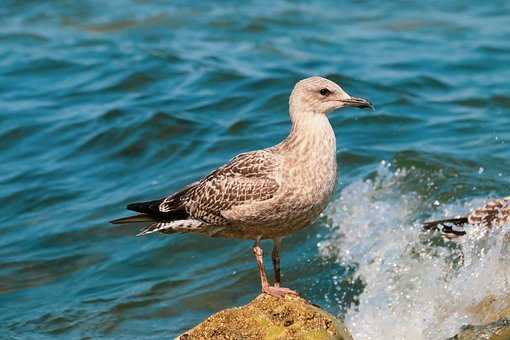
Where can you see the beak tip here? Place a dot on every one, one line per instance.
(360, 103)
(367, 104)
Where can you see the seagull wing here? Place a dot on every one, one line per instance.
(493, 213)
(248, 178)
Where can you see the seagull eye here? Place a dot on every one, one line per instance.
(325, 92)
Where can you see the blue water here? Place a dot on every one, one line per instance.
(106, 103)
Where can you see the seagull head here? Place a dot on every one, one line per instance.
(321, 95)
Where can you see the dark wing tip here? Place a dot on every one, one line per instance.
(430, 225)
(141, 218)
(450, 228)
(149, 207)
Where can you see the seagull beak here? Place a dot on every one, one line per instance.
(358, 102)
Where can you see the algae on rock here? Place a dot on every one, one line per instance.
(267, 317)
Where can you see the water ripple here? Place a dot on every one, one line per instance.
(132, 100)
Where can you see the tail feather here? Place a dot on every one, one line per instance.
(171, 227)
(153, 208)
(172, 219)
(149, 207)
(140, 218)
(451, 228)
(158, 226)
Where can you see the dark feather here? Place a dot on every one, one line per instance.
(152, 208)
(449, 227)
(141, 218)
(433, 225)
(149, 207)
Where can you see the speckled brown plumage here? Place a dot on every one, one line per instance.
(494, 213)
(247, 179)
(266, 193)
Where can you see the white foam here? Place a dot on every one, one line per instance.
(413, 289)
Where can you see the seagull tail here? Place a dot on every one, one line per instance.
(171, 227)
(140, 218)
(451, 228)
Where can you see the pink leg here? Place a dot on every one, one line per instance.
(257, 251)
(275, 290)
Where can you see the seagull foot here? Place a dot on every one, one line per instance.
(279, 291)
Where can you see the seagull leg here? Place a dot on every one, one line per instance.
(276, 261)
(276, 267)
(275, 290)
(259, 256)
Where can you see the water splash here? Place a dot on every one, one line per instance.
(416, 285)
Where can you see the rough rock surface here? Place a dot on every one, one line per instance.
(497, 330)
(267, 317)
(494, 316)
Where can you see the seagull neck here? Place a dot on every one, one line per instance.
(310, 131)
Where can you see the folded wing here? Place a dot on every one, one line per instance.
(249, 178)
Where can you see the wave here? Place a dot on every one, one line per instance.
(415, 285)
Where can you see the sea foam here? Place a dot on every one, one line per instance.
(416, 285)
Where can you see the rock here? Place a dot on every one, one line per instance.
(268, 317)
(491, 309)
(493, 313)
(497, 330)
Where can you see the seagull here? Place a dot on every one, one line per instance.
(494, 213)
(263, 194)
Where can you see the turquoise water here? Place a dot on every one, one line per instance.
(106, 103)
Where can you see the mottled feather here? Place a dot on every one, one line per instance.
(494, 213)
(247, 178)
(268, 193)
